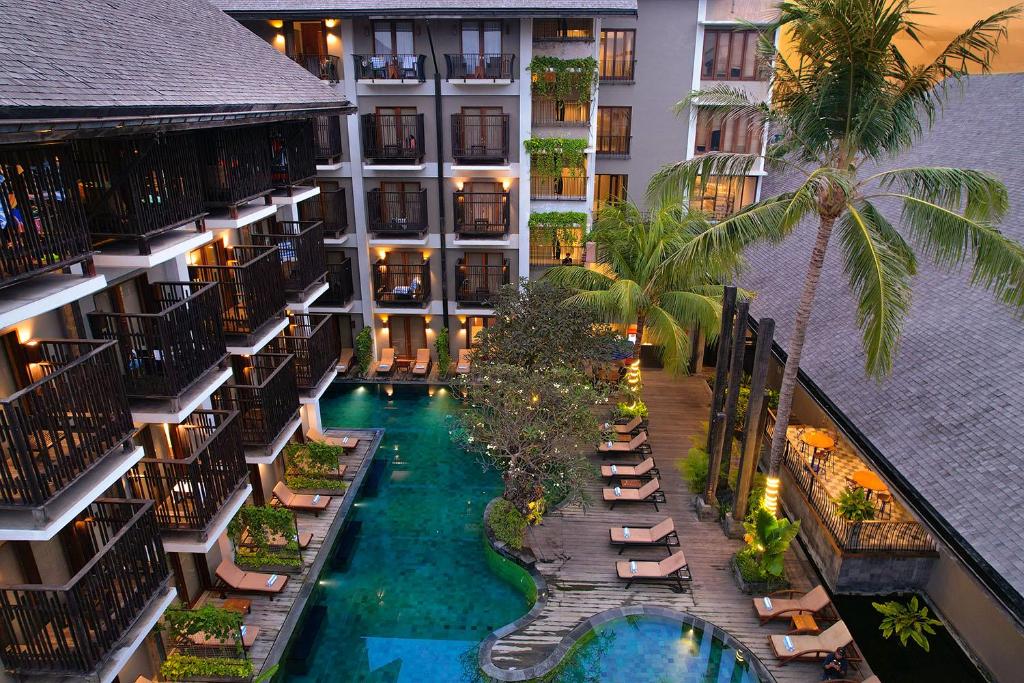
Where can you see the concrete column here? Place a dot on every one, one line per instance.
(525, 127)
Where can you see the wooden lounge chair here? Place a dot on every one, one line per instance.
(645, 468)
(249, 634)
(815, 601)
(300, 501)
(422, 365)
(235, 580)
(387, 361)
(813, 648)
(635, 445)
(627, 427)
(465, 362)
(648, 493)
(661, 534)
(673, 569)
(345, 361)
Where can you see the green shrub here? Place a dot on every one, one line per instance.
(179, 667)
(750, 570)
(694, 468)
(261, 522)
(364, 349)
(256, 558)
(855, 506)
(312, 481)
(767, 540)
(444, 352)
(550, 156)
(312, 457)
(631, 410)
(909, 621)
(563, 79)
(507, 524)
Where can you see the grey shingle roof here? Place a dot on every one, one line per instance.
(950, 419)
(425, 7)
(152, 55)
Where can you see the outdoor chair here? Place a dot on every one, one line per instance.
(635, 445)
(813, 648)
(672, 570)
(345, 361)
(231, 579)
(465, 362)
(300, 501)
(387, 361)
(661, 534)
(778, 606)
(627, 427)
(249, 634)
(422, 365)
(645, 468)
(648, 493)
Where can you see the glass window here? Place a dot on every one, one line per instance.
(481, 37)
(716, 133)
(730, 55)
(613, 130)
(392, 38)
(617, 55)
(724, 195)
(609, 187)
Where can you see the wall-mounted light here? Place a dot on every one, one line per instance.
(426, 255)
(505, 184)
(384, 318)
(330, 23)
(426, 319)
(459, 184)
(279, 41)
(381, 253)
(276, 23)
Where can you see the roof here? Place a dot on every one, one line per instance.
(143, 58)
(950, 418)
(579, 8)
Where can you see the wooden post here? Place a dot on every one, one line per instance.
(739, 345)
(718, 393)
(715, 457)
(754, 427)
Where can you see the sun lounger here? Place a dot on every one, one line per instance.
(635, 445)
(235, 580)
(813, 648)
(387, 361)
(661, 534)
(300, 501)
(249, 634)
(814, 602)
(465, 363)
(627, 427)
(672, 570)
(645, 468)
(648, 493)
(345, 361)
(422, 365)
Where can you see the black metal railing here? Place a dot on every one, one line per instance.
(190, 485)
(477, 67)
(478, 138)
(392, 138)
(73, 628)
(548, 111)
(397, 213)
(390, 67)
(613, 146)
(165, 352)
(544, 254)
(339, 284)
(558, 187)
(236, 164)
(324, 67)
(478, 283)
(293, 155)
(251, 288)
(398, 284)
(300, 248)
(327, 131)
(313, 340)
(481, 214)
(330, 208)
(563, 30)
(617, 70)
(44, 227)
(264, 392)
(73, 414)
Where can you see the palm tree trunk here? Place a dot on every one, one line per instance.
(796, 343)
(640, 320)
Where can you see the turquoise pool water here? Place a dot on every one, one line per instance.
(422, 589)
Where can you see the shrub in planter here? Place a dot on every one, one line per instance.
(694, 468)
(767, 540)
(313, 466)
(181, 667)
(563, 79)
(855, 506)
(507, 524)
(631, 409)
(251, 530)
(548, 156)
(444, 353)
(364, 349)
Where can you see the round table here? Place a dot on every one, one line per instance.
(869, 480)
(817, 439)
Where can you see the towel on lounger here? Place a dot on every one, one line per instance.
(618, 491)
(272, 580)
(625, 532)
(788, 642)
(767, 602)
(316, 499)
(614, 469)
(632, 567)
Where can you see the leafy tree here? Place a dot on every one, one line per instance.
(909, 621)
(846, 99)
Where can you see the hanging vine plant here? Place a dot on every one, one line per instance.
(549, 156)
(565, 227)
(563, 79)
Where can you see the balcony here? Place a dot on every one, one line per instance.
(617, 70)
(327, 130)
(564, 187)
(201, 472)
(478, 284)
(264, 392)
(165, 353)
(293, 156)
(330, 208)
(236, 165)
(563, 30)
(74, 629)
(481, 214)
(485, 68)
(401, 284)
(399, 214)
(313, 340)
(390, 68)
(139, 188)
(613, 146)
(339, 285)
(45, 229)
(480, 139)
(300, 247)
(324, 67)
(548, 111)
(544, 254)
(392, 138)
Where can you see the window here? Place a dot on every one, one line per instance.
(396, 128)
(474, 325)
(392, 38)
(730, 55)
(609, 187)
(481, 37)
(563, 30)
(617, 57)
(481, 131)
(310, 37)
(724, 195)
(613, 124)
(400, 202)
(407, 334)
(741, 135)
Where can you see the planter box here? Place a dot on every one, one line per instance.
(755, 587)
(332, 476)
(271, 568)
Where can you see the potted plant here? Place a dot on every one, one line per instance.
(227, 662)
(313, 467)
(266, 539)
(759, 568)
(854, 505)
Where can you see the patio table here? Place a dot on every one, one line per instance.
(817, 439)
(869, 481)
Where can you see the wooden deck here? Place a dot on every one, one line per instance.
(579, 564)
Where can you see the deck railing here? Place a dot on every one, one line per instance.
(563, 30)
(44, 227)
(300, 248)
(613, 146)
(392, 138)
(236, 164)
(481, 214)
(70, 417)
(546, 254)
(390, 67)
(328, 138)
(73, 628)
(548, 111)
(572, 187)
(397, 213)
(165, 352)
(293, 156)
(330, 208)
(400, 284)
(313, 340)
(617, 70)
(480, 138)
(339, 284)
(264, 392)
(487, 67)
(324, 67)
(251, 288)
(191, 486)
(479, 284)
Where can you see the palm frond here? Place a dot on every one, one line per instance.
(663, 330)
(690, 309)
(579, 278)
(982, 196)
(671, 183)
(604, 303)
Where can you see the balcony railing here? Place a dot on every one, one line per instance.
(551, 112)
(477, 67)
(401, 284)
(481, 214)
(139, 187)
(251, 288)
(613, 146)
(72, 629)
(328, 139)
(617, 70)
(546, 254)
(572, 187)
(165, 352)
(563, 30)
(264, 392)
(192, 484)
(339, 284)
(480, 138)
(390, 67)
(324, 67)
(397, 213)
(393, 138)
(300, 247)
(293, 156)
(45, 227)
(313, 340)
(330, 208)
(73, 415)
(236, 164)
(479, 284)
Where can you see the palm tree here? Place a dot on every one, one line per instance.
(845, 100)
(640, 278)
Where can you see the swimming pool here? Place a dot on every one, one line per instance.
(422, 588)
